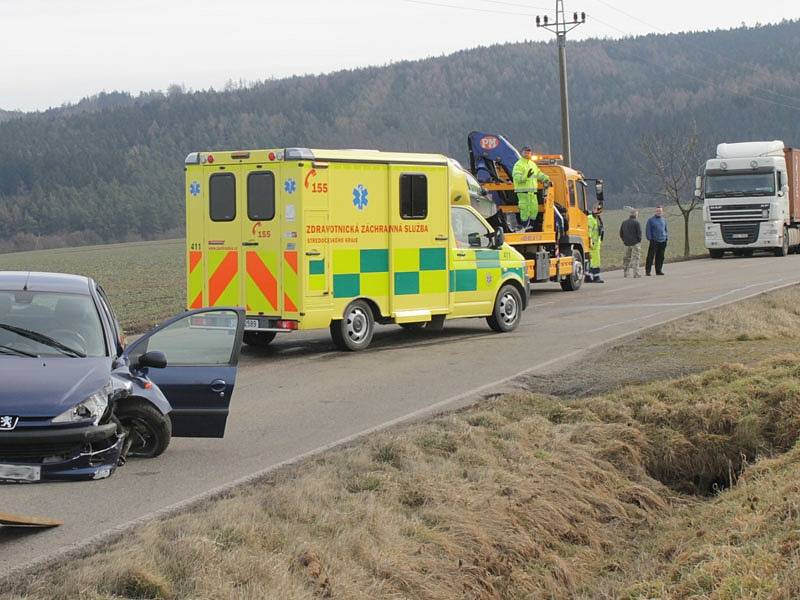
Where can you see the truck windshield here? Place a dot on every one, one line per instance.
(735, 185)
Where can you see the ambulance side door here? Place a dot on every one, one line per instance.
(261, 241)
(475, 267)
(223, 234)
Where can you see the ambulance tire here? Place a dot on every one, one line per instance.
(435, 324)
(572, 282)
(259, 339)
(507, 310)
(354, 332)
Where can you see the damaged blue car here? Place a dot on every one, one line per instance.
(75, 403)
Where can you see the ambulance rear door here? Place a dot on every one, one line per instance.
(225, 192)
(260, 223)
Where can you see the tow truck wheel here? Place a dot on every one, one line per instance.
(507, 310)
(259, 339)
(355, 330)
(573, 282)
(784, 249)
(148, 431)
(716, 253)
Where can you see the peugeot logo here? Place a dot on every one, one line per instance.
(8, 423)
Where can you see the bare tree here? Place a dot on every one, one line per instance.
(670, 164)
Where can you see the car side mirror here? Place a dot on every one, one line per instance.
(154, 358)
(499, 239)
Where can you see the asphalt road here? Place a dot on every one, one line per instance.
(300, 394)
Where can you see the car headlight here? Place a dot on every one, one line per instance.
(92, 408)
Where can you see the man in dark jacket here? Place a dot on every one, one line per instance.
(631, 234)
(657, 233)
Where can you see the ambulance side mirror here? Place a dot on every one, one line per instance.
(499, 239)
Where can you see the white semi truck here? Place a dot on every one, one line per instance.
(752, 199)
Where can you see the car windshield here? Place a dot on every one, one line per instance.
(49, 324)
(748, 184)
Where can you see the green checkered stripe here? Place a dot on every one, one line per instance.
(316, 275)
(366, 272)
(487, 263)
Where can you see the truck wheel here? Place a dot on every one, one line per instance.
(716, 253)
(574, 281)
(259, 339)
(507, 310)
(784, 249)
(149, 432)
(355, 330)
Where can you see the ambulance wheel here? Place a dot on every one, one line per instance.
(573, 282)
(259, 339)
(507, 310)
(354, 332)
(435, 324)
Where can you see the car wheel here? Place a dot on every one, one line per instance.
(259, 339)
(507, 310)
(716, 253)
(148, 431)
(574, 281)
(354, 331)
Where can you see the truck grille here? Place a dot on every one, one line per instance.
(740, 233)
(736, 213)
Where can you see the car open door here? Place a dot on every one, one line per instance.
(202, 351)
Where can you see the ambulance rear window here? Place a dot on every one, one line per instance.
(261, 196)
(222, 197)
(413, 196)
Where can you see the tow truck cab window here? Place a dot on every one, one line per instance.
(222, 197)
(413, 196)
(573, 198)
(584, 205)
(261, 196)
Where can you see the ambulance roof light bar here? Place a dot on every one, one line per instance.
(193, 158)
(298, 154)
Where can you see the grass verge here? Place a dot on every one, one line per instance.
(684, 488)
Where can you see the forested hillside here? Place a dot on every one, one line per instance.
(110, 167)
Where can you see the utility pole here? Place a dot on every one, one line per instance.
(561, 28)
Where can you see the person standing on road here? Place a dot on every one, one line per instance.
(657, 233)
(525, 174)
(631, 234)
(596, 234)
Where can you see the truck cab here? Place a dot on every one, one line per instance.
(750, 199)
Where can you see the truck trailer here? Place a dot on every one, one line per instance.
(751, 194)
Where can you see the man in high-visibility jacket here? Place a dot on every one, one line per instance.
(526, 174)
(596, 234)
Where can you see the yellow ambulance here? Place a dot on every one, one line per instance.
(344, 239)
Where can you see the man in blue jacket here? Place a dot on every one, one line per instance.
(656, 232)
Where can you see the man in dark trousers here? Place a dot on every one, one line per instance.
(631, 234)
(657, 233)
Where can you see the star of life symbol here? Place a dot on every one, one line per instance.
(360, 199)
(289, 186)
(194, 188)
(8, 423)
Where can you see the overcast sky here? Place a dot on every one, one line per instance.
(56, 51)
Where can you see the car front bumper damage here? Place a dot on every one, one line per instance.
(61, 454)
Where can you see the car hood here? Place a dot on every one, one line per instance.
(46, 387)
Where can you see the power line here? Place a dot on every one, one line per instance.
(706, 50)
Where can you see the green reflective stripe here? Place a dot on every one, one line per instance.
(432, 259)
(488, 264)
(316, 267)
(346, 286)
(406, 283)
(465, 280)
(375, 261)
(487, 255)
